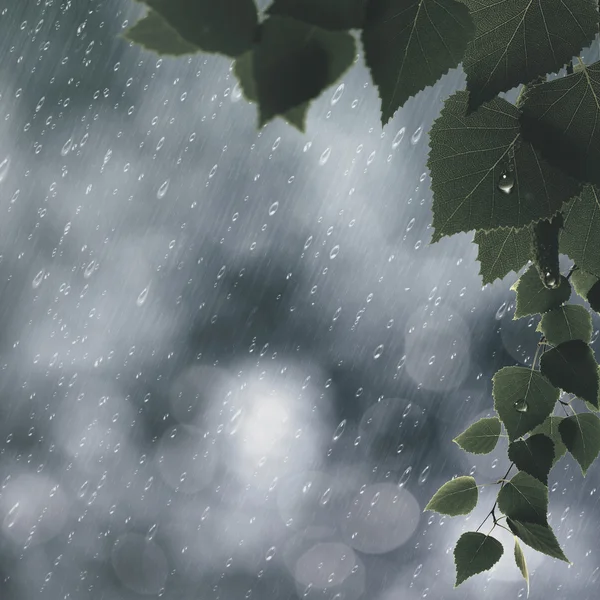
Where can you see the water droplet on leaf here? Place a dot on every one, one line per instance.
(521, 406)
(506, 182)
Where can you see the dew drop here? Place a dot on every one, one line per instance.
(506, 182)
(521, 406)
(550, 280)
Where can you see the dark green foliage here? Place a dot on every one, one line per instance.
(456, 497)
(502, 251)
(523, 399)
(579, 238)
(538, 536)
(568, 322)
(558, 119)
(571, 366)
(410, 44)
(534, 456)
(470, 170)
(328, 14)
(481, 437)
(581, 436)
(534, 297)
(524, 498)
(545, 249)
(294, 62)
(208, 25)
(518, 40)
(475, 553)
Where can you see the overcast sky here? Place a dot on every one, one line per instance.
(231, 364)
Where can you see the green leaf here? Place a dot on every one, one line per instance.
(208, 25)
(545, 249)
(328, 14)
(294, 62)
(524, 498)
(521, 562)
(473, 159)
(581, 231)
(410, 44)
(481, 437)
(571, 366)
(475, 553)
(523, 399)
(539, 537)
(153, 33)
(550, 428)
(568, 322)
(534, 456)
(534, 297)
(244, 71)
(593, 297)
(558, 117)
(518, 40)
(583, 282)
(581, 435)
(455, 497)
(502, 251)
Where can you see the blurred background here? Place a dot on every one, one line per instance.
(231, 364)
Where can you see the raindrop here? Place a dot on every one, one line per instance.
(521, 406)
(67, 147)
(378, 351)
(325, 497)
(404, 477)
(410, 224)
(501, 311)
(334, 252)
(416, 136)
(273, 208)
(325, 156)
(37, 280)
(162, 190)
(337, 94)
(4, 168)
(550, 280)
(398, 138)
(11, 516)
(89, 269)
(141, 299)
(424, 475)
(270, 553)
(339, 430)
(506, 182)
(151, 534)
